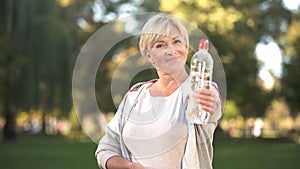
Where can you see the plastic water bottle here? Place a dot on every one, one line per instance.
(201, 70)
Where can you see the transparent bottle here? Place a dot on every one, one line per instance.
(201, 70)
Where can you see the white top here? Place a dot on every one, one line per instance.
(157, 132)
(155, 136)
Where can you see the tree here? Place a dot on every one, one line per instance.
(89, 20)
(36, 60)
(7, 62)
(290, 83)
(230, 25)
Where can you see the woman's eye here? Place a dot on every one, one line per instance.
(177, 41)
(159, 45)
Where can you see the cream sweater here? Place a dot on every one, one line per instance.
(153, 131)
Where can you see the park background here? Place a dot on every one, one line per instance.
(258, 42)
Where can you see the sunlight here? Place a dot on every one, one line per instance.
(292, 5)
(64, 3)
(271, 58)
(268, 80)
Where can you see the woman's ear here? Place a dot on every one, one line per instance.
(149, 57)
(146, 53)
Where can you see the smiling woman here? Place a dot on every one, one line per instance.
(154, 112)
(174, 47)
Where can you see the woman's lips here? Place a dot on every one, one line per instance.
(172, 59)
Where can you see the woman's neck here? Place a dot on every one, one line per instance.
(167, 84)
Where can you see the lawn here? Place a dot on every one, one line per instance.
(59, 153)
(256, 154)
(47, 152)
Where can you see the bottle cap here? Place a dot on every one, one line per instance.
(204, 44)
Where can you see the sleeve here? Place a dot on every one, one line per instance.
(112, 143)
(204, 134)
(218, 113)
(109, 145)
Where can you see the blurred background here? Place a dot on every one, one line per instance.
(258, 42)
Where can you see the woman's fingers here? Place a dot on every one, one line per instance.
(206, 99)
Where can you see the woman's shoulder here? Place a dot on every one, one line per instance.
(138, 86)
(137, 91)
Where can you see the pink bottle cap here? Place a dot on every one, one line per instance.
(204, 44)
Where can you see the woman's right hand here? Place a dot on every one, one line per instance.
(117, 162)
(136, 166)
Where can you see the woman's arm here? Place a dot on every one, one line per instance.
(109, 145)
(117, 162)
(110, 150)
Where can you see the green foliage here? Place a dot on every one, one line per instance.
(39, 42)
(234, 43)
(290, 83)
(108, 66)
(231, 111)
(39, 59)
(235, 27)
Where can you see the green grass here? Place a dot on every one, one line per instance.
(45, 152)
(256, 154)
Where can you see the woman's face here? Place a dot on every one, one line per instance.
(169, 53)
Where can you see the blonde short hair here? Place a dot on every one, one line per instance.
(160, 25)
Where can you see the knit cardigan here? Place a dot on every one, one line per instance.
(198, 149)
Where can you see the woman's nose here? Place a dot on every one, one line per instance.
(171, 49)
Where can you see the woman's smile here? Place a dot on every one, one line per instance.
(172, 58)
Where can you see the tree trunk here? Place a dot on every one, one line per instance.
(7, 11)
(10, 130)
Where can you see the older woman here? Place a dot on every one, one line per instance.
(150, 129)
